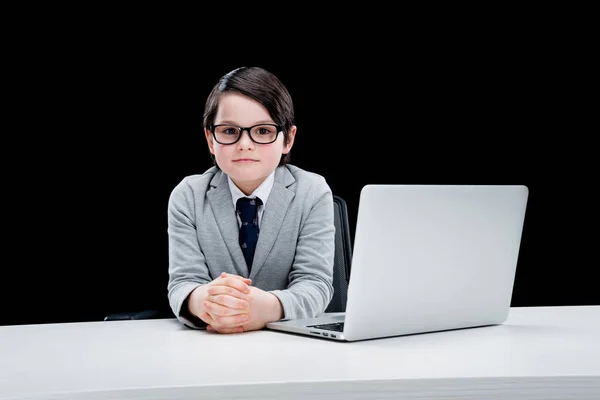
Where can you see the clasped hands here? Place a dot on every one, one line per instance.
(229, 304)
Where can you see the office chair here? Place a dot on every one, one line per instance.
(341, 269)
(342, 258)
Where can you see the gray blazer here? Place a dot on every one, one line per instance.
(294, 254)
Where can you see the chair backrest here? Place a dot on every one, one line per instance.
(343, 256)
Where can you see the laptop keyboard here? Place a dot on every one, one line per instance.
(336, 326)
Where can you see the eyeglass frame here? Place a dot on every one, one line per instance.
(241, 130)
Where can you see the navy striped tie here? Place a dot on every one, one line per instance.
(247, 209)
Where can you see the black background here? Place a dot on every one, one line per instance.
(101, 126)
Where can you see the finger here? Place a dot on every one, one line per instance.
(227, 290)
(220, 322)
(224, 290)
(238, 329)
(234, 283)
(206, 318)
(225, 275)
(245, 280)
(215, 309)
(231, 302)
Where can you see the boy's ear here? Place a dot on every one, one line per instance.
(209, 140)
(291, 135)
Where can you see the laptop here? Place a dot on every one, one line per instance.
(426, 258)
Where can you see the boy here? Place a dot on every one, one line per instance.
(251, 240)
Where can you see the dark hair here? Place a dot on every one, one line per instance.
(260, 85)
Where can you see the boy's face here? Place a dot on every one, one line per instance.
(247, 163)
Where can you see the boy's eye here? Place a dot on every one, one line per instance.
(230, 131)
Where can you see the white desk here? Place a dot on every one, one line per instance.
(541, 353)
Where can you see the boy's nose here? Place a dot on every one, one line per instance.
(245, 140)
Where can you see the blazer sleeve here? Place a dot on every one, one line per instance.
(310, 287)
(187, 265)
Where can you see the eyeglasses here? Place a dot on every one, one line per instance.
(230, 134)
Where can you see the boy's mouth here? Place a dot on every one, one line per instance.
(245, 160)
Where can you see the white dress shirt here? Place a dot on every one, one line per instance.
(262, 192)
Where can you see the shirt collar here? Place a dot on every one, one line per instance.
(261, 192)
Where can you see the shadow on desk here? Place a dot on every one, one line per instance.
(135, 315)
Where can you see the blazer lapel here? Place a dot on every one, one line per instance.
(275, 210)
(221, 204)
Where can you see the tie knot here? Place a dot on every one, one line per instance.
(247, 208)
